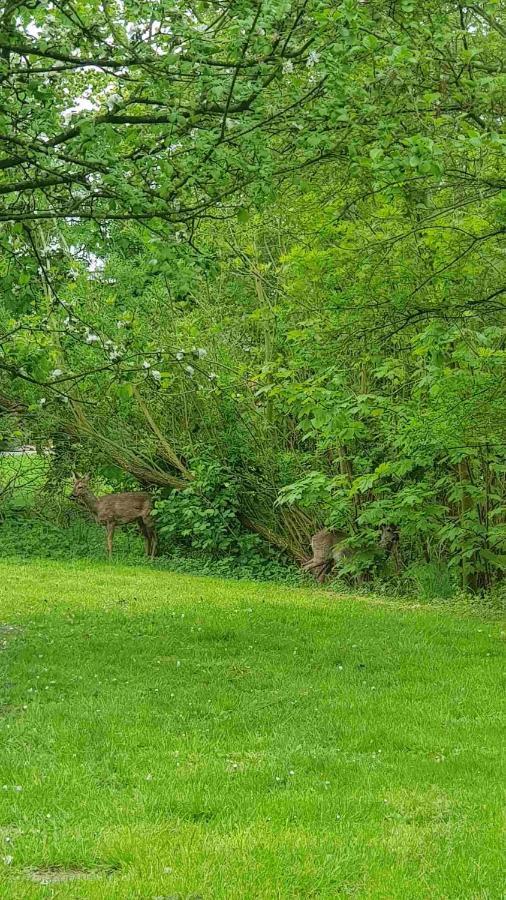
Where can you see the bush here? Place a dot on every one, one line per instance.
(431, 581)
(203, 516)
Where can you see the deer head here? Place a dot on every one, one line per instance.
(81, 486)
(389, 536)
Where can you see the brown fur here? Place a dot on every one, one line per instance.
(111, 510)
(327, 550)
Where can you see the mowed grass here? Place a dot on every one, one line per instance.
(173, 736)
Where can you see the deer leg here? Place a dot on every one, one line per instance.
(154, 542)
(151, 533)
(321, 574)
(396, 554)
(109, 537)
(145, 533)
(326, 569)
(318, 569)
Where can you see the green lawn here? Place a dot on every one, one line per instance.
(172, 736)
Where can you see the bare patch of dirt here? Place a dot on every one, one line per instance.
(6, 632)
(56, 874)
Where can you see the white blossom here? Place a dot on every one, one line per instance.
(180, 354)
(92, 338)
(212, 376)
(146, 364)
(287, 67)
(190, 370)
(156, 375)
(312, 59)
(201, 352)
(33, 29)
(56, 373)
(112, 101)
(42, 401)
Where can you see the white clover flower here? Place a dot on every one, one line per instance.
(7, 859)
(287, 67)
(212, 376)
(156, 375)
(114, 355)
(190, 370)
(92, 338)
(56, 373)
(146, 364)
(42, 401)
(312, 59)
(180, 354)
(201, 352)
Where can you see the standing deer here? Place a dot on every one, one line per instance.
(118, 509)
(327, 550)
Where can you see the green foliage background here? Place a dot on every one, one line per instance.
(253, 256)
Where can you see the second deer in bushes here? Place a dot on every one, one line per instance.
(111, 510)
(328, 549)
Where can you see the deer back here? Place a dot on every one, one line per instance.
(123, 508)
(323, 544)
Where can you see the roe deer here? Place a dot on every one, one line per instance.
(327, 550)
(118, 509)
